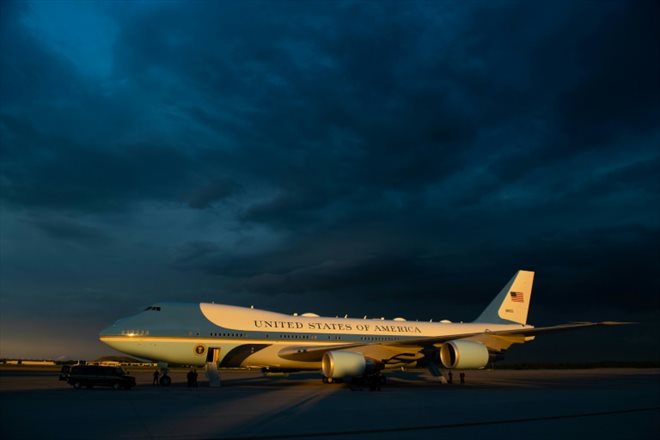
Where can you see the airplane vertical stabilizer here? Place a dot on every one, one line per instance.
(512, 303)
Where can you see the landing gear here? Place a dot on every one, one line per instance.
(436, 371)
(375, 381)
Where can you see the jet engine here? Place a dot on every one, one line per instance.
(339, 364)
(462, 354)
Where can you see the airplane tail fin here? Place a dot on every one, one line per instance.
(512, 303)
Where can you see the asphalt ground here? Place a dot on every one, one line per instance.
(539, 404)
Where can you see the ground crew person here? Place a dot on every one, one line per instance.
(462, 378)
(451, 378)
(155, 381)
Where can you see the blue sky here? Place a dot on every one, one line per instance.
(381, 158)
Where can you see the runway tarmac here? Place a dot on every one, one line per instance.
(538, 404)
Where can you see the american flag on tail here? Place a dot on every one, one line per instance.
(517, 297)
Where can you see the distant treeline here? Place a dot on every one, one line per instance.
(575, 365)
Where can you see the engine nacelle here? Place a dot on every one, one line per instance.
(339, 364)
(464, 355)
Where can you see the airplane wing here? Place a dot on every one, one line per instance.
(494, 340)
(522, 332)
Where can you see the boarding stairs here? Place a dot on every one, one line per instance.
(212, 374)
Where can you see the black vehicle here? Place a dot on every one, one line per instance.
(94, 375)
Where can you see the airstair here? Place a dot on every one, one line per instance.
(212, 374)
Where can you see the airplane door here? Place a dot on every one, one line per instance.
(213, 355)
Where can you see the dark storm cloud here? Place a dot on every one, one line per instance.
(29, 70)
(195, 251)
(295, 102)
(89, 178)
(371, 276)
(360, 269)
(67, 141)
(604, 70)
(640, 177)
(204, 196)
(607, 265)
(70, 231)
(617, 91)
(320, 113)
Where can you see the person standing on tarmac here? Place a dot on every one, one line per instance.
(189, 378)
(156, 376)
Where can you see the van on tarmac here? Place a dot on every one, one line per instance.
(89, 376)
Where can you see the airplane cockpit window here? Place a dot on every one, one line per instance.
(155, 308)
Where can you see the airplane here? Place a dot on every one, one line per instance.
(215, 335)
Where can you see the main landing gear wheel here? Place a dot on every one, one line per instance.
(327, 379)
(165, 381)
(375, 382)
(115, 386)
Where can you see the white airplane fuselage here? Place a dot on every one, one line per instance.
(226, 336)
(185, 333)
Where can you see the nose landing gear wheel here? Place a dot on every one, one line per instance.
(165, 381)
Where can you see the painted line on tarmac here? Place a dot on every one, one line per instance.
(443, 426)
